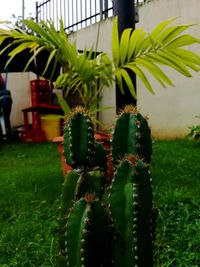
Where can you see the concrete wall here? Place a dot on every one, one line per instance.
(171, 110)
(19, 85)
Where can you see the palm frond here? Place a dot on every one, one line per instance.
(134, 68)
(50, 58)
(157, 72)
(35, 53)
(163, 46)
(124, 45)
(127, 79)
(16, 51)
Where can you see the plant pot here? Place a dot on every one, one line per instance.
(103, 138)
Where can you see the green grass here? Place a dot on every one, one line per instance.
(30, 186)
(176, 175)
(30, 183)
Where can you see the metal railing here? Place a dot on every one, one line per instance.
(76, 14)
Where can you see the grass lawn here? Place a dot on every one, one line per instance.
(30, 186)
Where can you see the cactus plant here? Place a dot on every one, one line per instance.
(104, 224)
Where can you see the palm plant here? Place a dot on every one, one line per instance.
(136, 51)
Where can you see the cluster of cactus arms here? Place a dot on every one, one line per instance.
(105, 224)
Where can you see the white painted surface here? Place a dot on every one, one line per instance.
(19, 85)
(171, 111)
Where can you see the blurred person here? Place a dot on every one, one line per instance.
(5, 107)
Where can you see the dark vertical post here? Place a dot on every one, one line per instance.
(101, 9)
(106, 9)
(36, 12)
(125, 10)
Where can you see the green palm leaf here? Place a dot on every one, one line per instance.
(171, 33)
(187, 55)
(152, 68)
(141, 75)
(129, 82)
(36, 52)
(172, 62)
(42, 30)
(186, 61)
(163, 46)
(17, 50)
(63, 104)
(183, 40)
(124, 45)
(119, 81)
(160, 27)
(2, 37)
(135, 44)
(50, 58)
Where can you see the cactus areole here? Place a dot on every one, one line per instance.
(101, 224)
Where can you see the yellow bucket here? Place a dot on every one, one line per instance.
(51, 125)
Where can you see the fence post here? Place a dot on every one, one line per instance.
(36, 12)
(101, 9)
(105, 9)
(125, 10)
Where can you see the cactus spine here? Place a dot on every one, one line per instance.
(107, 224)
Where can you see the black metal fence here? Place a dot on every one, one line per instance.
(76, 14)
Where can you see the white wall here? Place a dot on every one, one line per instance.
(19, 85)
(172, 110)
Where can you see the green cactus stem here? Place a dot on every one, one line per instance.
(130, 205)
(90, 182)
(87, 234)
(142, 180)
(100, 157)
(67, 198)
(79, 139)
(101, 226)
(131, 135)
(121, 196)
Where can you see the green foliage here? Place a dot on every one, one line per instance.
(97, 229)
(87, 73)
(139, 51)
(194, 131)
